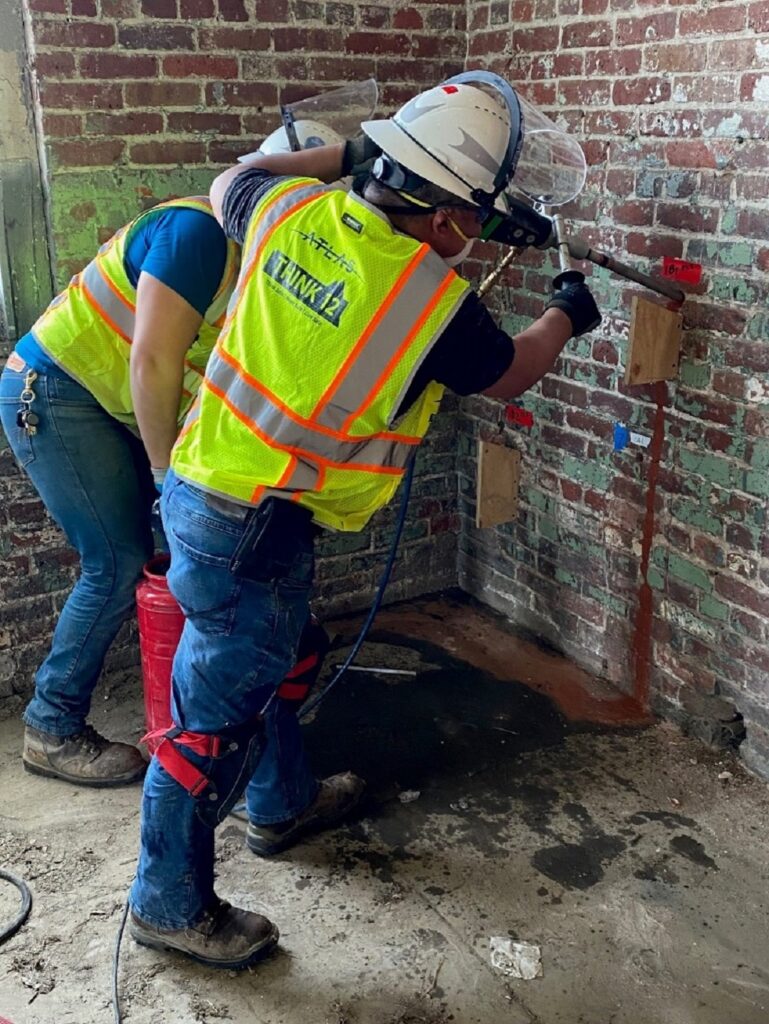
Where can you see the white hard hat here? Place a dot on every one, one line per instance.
(455, 136)
(469, 141)
(309, 134)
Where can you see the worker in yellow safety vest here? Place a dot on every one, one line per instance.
(347, 324)
(91, 401)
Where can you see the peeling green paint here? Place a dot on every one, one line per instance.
(711, 467)
(595, 475)
(694, 375)
(689, 572)
(713, 608)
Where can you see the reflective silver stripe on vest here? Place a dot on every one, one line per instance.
(112, 308)
(277, 426)
(371, 362)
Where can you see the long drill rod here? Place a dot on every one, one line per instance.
(580, 250)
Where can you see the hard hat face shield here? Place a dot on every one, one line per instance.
(340, 109)
(551, 166)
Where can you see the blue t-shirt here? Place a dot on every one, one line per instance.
(185, 249)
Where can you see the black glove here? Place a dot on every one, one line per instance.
(359, 155)
(572, 296)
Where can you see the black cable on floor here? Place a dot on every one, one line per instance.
(26, 905)
(116, 965)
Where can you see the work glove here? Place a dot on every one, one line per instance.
(359, 155)
(572, 296)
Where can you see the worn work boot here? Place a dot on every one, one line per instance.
(337, 796)
(224, 937)
(86, 758)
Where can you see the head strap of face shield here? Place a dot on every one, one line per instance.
(288, 123)
(506, 169)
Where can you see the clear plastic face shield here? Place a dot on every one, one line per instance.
(340, 109)
(551, 167)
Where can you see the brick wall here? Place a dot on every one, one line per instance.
(649, 567)
(145, 99)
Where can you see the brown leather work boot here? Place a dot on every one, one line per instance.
(86, 758)
(224, 937)
(337, 796)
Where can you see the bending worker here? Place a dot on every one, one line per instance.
(347, 324)
(118, 354)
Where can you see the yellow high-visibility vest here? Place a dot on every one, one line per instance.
(88, 328)
(333, 314)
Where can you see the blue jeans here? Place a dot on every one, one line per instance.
(94, 478)
(239, 641)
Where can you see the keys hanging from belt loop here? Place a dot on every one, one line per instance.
(25, 417)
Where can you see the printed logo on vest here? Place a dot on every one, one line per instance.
(326, 300)
(320, 244)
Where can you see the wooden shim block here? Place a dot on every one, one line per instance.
(655, 342)
(499, 476)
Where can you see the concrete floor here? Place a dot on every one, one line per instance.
(639, 872)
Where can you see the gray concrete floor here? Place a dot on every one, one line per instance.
(639, 872)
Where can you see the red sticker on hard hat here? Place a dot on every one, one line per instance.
(681, 270)
(450, 88)
(521, 417)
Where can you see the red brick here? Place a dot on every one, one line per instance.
(361, 42)
(374, 17)
(587, 33)
(638, 214)
(742, 595)
(731, 384)
(714, 21)
(686, 57)
(699, 89)
(166, 152)
(189, 121)
(407, 17)
(73, 35)
(234, 38)
(612, 62)
(81, 95)
(62, 126)
(242, 94)
(120, 8)
(232, 10)
(535, 40)
(49, 6)
(199, 64)
(87, 152)
(749, 85)
(225, 152)
(714, 318)
(653, 245)
(641, 90)
(758, 17)
(157, 36)
(162, 94)
(670, 123)
(117, 65)
(426, 47)
(691, 153)
(135, 122)
(730, 55)
(271, 12)
(54, 65)
(594, 91)
(753, 224)
(159, 8)
(632, 31)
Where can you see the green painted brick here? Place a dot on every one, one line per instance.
(548, 528)
(608, 601)
(694, 375)
(731, 289)
(711, 467)
(713, 608)
(655, 579)
(659, 556)
(759, 456)
(693, 514)
(758, 327)
(567, 578)
(689, 572)
(594, 474)
(734, 254)
(756, 483)
(729, 221)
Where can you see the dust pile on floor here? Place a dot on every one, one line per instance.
(635, 860)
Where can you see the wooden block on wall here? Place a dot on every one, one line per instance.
(655, 342)
(499, 476)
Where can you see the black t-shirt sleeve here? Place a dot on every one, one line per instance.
(241, 199)
(470, 355)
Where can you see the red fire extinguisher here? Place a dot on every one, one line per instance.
(160, 626)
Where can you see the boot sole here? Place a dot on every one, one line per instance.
(229, 965)
(262, 849)
(50, 773)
